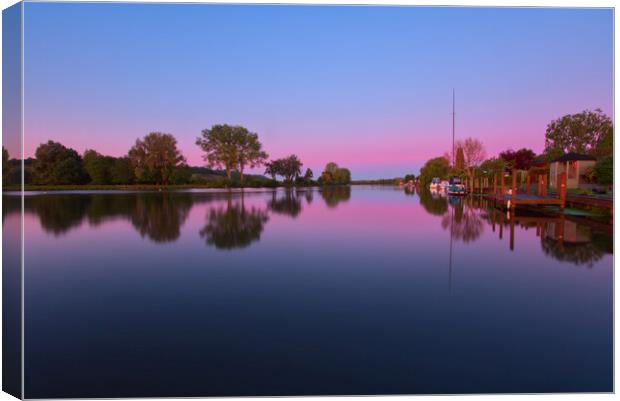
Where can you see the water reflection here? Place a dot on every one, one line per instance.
(464, 222)
(433, 203)
(235, 225)
(288, 203)
(320, 278)
(156, 216)
(232, 223)
(571, 239)
(159, 218)
(335, 195)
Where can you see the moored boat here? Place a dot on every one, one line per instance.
(456, 186)
(435, 184)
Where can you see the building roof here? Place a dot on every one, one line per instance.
(572, 156)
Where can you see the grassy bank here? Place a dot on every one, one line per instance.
(140, 187)
(133, 187)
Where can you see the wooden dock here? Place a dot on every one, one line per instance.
(512, 198)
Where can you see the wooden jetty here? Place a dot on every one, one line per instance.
(512, 198)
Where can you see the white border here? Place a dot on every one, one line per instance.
(481, 3)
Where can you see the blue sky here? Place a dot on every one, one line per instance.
(366, 87)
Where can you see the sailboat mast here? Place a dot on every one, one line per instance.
(453, 154)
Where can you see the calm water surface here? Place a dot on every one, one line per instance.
(368, 290)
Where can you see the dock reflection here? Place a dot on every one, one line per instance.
(567, 238)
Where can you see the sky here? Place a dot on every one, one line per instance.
(369, 88)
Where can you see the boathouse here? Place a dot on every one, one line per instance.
(575, 166)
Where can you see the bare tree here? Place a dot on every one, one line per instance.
(473, 151)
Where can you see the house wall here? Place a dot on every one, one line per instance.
(553, 167)
(574, 172)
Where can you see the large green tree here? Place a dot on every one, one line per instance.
(493, 166)
(588, 132)
(56, 164)
(6, 166)
(335, 175)
(98, 167)
(155, 157)
(122, 171)
(250, 152)
(437, 167)
(231, 147)
(273, 168)
(604, 170)
(342, 176)
(521, 159)
(289, 168)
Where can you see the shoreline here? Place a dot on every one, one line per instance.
(152, 188)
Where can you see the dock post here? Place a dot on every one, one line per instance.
(495, 184)
(514, 190)
(501, 225)
(512, 232)
(501, 183)
(527, 183)
(562, 190)
(544, 188)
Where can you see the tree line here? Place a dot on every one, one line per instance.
(228, 151)
(588, 132)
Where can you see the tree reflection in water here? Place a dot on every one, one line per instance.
(568, 241)
(58, 214)
(335, 195)
(409, 190)
(578, 254)
(160, 218)
(309, 195)
(234, 226)
(289, 203)
(466, 225)
(433, 203)
(157, 216)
